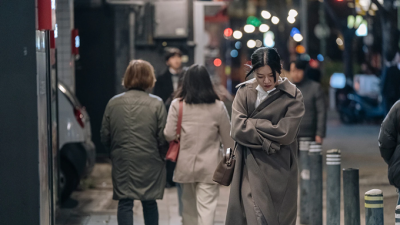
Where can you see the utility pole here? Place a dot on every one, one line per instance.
(304, 23)
(322, 41)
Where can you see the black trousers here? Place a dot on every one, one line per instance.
(170, 173)
(125, 212)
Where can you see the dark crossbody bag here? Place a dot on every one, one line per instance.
(224, 173)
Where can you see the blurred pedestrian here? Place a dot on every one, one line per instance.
(313, 124)
(266, 115)
(167, 83)
(132, 128)
(389, 145)
(205, 123)
(165, 87)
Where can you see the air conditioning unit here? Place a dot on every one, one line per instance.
(171, 19)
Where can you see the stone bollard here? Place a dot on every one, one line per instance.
(315, 196)
(333, 187)
(351, 194)
(397, 216)
(374, 207)
(304, 170)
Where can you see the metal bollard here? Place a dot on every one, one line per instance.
(351, 194)
(304, 169)
(397, 216)
(333, 187)
(374, 207)
(315, 196)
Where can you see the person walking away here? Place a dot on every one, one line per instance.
(266, 116)
(389, 145)
(167, 83)
(205, 123)
(313, 124)
(132, 128)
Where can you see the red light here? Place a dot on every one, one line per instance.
(217, 62)
(314, 63)
(228, 32)
(79, 117)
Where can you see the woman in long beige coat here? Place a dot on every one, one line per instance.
(205, 124)
(266, 114)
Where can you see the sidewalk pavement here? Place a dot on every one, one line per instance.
(359, 150)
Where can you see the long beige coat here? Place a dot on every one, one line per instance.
(204, 127)
(264, 185)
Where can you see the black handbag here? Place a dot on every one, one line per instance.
(224, 173)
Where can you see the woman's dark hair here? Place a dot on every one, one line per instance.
(266, 57)
(197, 87)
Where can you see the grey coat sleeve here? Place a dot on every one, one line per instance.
(388, 134)
(105, 129)
(321, 112)
(161, 121)
(243, 131)
(285, 131)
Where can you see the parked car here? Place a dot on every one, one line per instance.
(77, 152)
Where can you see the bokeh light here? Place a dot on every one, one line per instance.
(275, 20)
(228, 32)
(300, 49)
(293, 13)
(291, 20)
(339, 41)
(251, 43)
(263, 28)
(237, 34)
(234, 53)
(238, 44)
(265, 14)
(249, 28)
(258, 43)
(298, 37)
(320, 57)
(217, 62)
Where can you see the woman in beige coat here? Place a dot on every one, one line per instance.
(205, 124)
(266, 115)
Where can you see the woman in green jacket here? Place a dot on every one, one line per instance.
(132, 128)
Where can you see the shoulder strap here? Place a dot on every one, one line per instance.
(179, 124)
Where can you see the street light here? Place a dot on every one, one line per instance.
(251, 44)
(265, 14)
(249, 28)
(237, 34)
(275, 20)
(291, 19)
(298, 37)
(293, 13)
(263, 28)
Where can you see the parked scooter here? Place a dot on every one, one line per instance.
(359, 100)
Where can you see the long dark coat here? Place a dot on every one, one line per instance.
(264, 185)
(132, 128)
